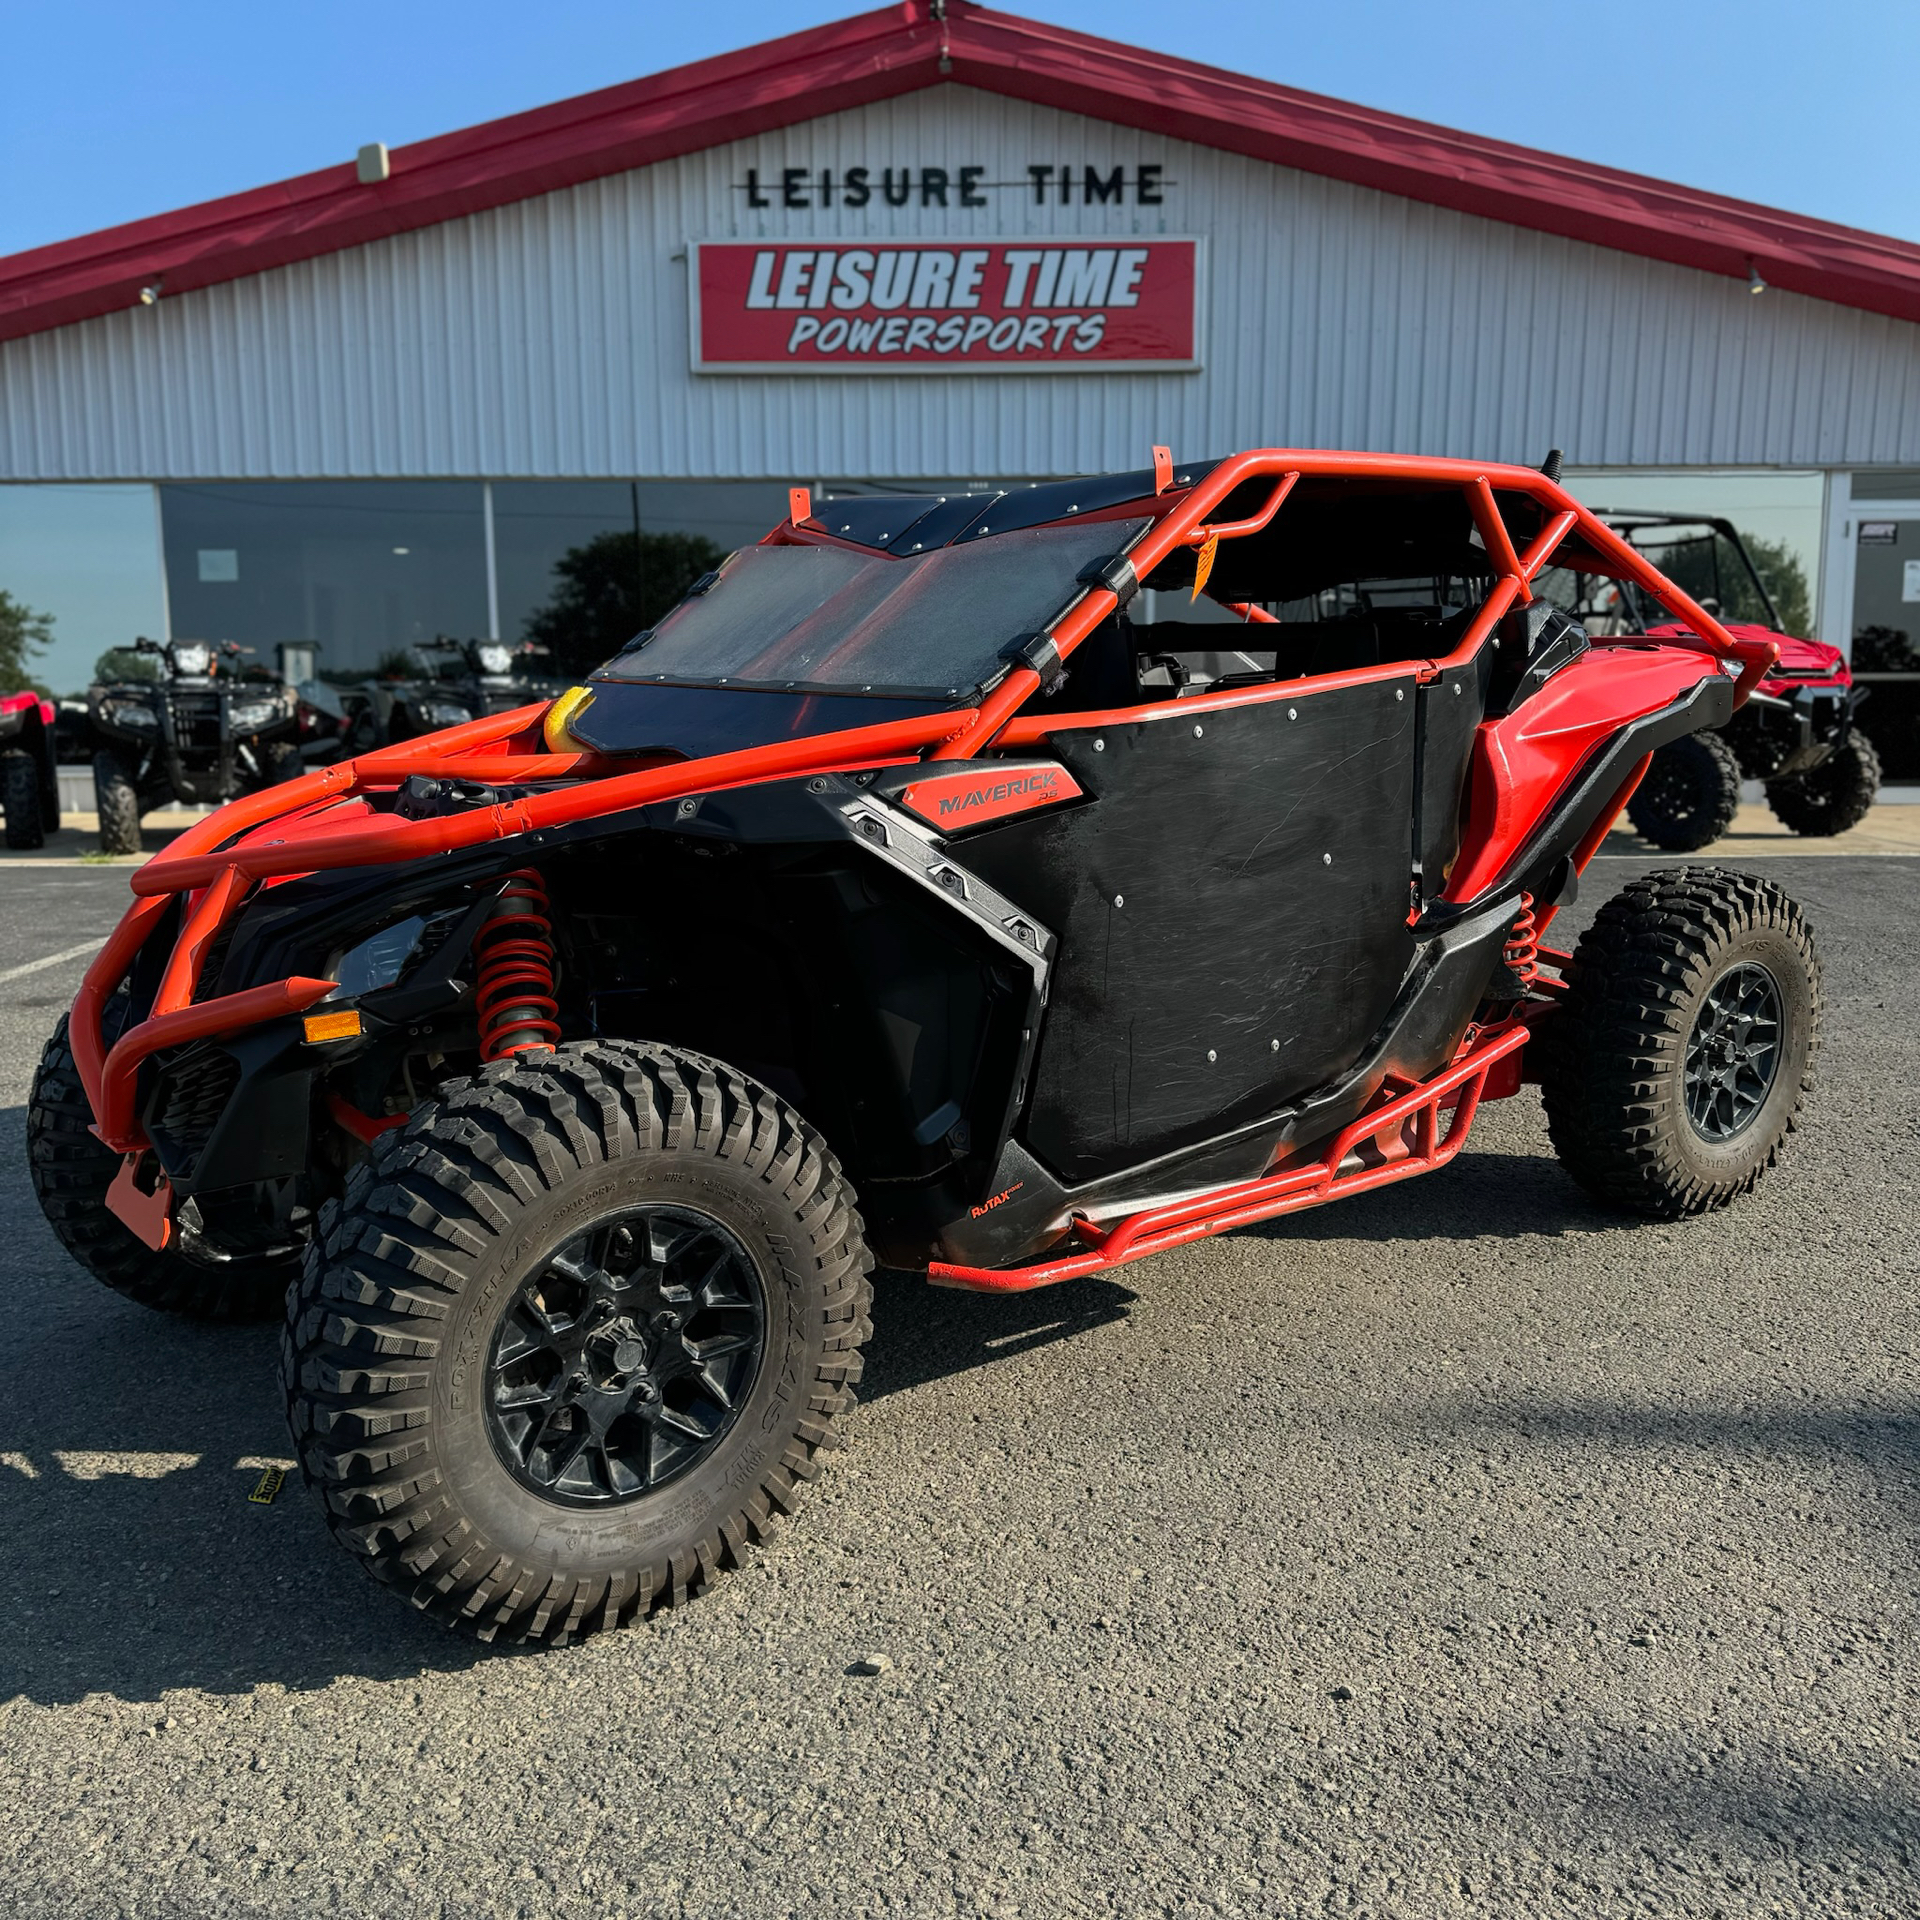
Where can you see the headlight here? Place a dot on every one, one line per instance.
(249, 716)
(385, 957)
(190, 658)
(496, 660)
(444, 713)
(378, 961)
(134, 715)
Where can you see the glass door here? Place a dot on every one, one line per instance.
(1874, 611)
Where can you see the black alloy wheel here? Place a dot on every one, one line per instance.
(1674, 1069)
(1733, 1053)
(626, 1356)
(575, 1338)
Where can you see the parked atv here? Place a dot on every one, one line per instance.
(465, 680)
(29, 787)
(199, 732)
(562, 1075)
(1796, 733)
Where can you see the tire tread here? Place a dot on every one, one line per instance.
(384, 1272)
(1613, 1052)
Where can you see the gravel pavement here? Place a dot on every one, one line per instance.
(1457, 1549)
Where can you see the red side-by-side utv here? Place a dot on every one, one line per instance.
(1004, 886)
(29, 787)
(1795, 733)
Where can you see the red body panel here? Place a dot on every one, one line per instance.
(1523, 760)
(1802, 663)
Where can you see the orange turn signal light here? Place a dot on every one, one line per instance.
(332, 1026)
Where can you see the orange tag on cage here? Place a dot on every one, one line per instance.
(1203, 566)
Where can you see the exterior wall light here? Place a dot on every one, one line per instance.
(1754, 283)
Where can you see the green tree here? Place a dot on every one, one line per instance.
(1707, 568)
(23, 633)
(609, 588)
(122, 663)
(1786, 581)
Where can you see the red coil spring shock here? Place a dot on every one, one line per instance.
(514, 947)
(1522, 951)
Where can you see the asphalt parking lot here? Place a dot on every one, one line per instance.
(1460, 1548)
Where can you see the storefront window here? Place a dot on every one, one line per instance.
(1778, 514)
(363, 568)
(582, 566)
(89, 556)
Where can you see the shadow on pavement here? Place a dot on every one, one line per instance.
(923, 1333)
(135, 1562)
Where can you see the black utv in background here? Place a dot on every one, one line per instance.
(200, 732)
(464, 680)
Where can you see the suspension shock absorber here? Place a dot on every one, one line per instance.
(514, 951)
(1522, 951)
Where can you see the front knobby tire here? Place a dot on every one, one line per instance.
(1689, 796)
(1829, 798)
(1675, 1068)
(118, 803)
(72, 1169)
(574, 1338)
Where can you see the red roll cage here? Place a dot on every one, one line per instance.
(216, 875)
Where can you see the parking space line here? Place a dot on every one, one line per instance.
(51, 959)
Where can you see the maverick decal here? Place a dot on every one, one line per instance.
(926, 306)
(953, 801)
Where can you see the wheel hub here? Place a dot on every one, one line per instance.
(624, 1356)
(1732, 1053)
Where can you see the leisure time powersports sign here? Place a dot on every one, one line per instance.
(926, 306)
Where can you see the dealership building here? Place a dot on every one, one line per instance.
(924, 245)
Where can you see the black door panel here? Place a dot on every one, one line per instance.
(1451, 708)
(1238, 879)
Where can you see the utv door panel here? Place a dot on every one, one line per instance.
(1451, 709)
(1231, 903)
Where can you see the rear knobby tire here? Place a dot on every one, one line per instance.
(391, 1363)
(1615, 1053)
(118, 802)
(1690, 794)
(20, 800)
(280, 762)
(1829, 798)
(71, 1171)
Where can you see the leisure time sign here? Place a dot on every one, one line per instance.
(913, 306)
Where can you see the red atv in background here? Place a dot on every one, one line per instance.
(561, 1075)
(29, 789)
(1795, 733)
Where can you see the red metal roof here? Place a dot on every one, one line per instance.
(897, 50)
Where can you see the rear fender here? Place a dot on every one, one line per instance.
(1528, 761)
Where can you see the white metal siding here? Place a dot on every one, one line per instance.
(549, 338)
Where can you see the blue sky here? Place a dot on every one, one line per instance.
(114, 110)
